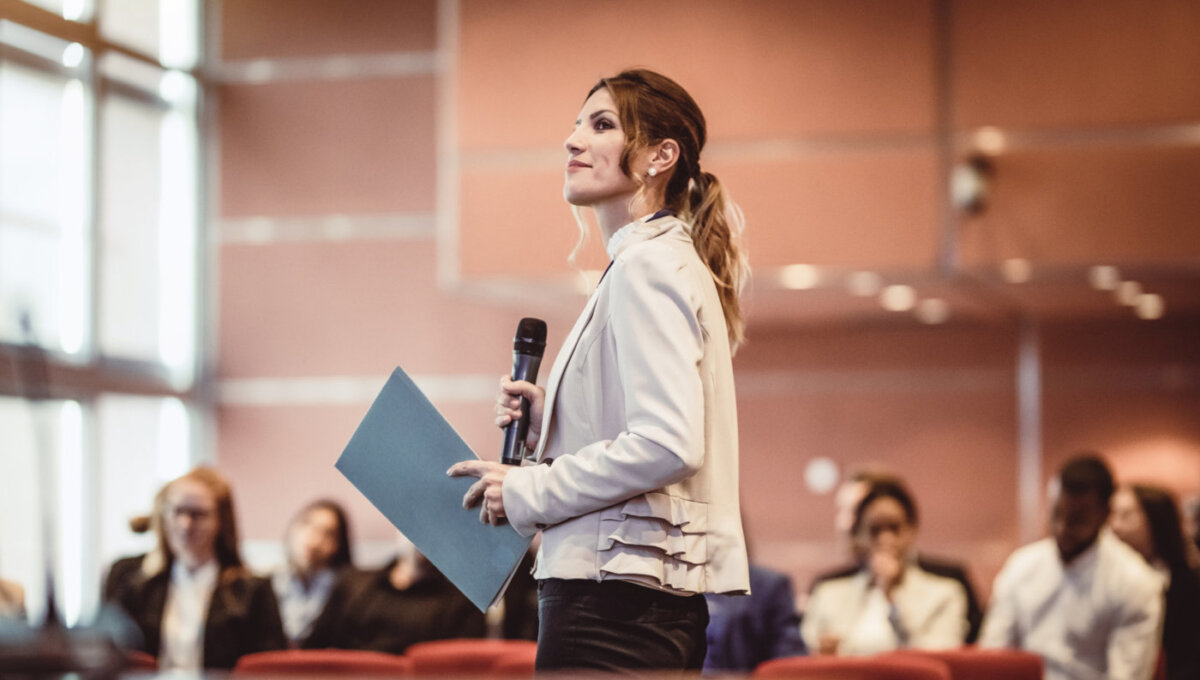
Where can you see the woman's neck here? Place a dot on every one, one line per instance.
(192, 561)
(613, 215)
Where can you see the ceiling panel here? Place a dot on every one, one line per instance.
(1031, 63)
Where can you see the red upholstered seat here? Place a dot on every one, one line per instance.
(139, 661)
(516, 663)
(971, 663)
(325, 662)
(884, 667)
(462, 656)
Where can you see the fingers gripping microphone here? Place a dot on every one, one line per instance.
(528, 347)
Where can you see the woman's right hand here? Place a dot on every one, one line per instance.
(508, 407)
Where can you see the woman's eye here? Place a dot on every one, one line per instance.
(604, 124)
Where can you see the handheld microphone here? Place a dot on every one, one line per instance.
(528, 347)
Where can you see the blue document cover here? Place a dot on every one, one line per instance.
(398, 459)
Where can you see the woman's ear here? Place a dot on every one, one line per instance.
(664, 156)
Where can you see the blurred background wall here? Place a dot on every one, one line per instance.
(389, 193)
(382, 187)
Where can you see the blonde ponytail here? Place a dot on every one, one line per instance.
(717, 225)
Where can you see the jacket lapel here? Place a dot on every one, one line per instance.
(556, 373)
(642, 232)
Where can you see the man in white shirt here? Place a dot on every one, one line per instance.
(1082, 599)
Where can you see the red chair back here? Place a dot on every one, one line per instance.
(325, 662)
(971, 663)
(136, 660)
(461, 656)
(517, 663)
(884, 667)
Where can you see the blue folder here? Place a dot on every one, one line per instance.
(398, 459)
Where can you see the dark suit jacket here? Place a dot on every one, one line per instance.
(744, 631)
(121, 575)
(937, 567)
(243, 617)
(365, 611)
(1181, 627)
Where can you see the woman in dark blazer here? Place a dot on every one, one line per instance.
(195, 603)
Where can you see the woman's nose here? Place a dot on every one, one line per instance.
(571, 144)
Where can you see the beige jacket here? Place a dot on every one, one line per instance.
(641, 428)
(926, 612)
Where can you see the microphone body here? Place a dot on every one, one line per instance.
(528, 347)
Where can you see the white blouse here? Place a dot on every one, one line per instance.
(188, 598)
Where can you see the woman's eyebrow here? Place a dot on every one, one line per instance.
(597, 114)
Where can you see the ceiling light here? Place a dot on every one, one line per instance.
(799, 276)
(990, 140)
(933, 311)
(898, 298)
(1017, 270)
(1104, 277)
(1149, 306)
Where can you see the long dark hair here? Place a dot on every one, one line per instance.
(652, 108)
(1165, 525)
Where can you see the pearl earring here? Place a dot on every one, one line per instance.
(652, 172)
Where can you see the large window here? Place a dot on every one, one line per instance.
(99, 267)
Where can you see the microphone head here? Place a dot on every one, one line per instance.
(531, 337)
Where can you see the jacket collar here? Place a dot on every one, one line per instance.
(640, 230)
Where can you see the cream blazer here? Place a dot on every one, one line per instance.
(637, 467)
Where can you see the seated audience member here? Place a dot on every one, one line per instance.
(1147, 518)
(889, 602)
(744, 631)
(388, 609)
(1084, 601)
(194, 602)
(317, 547)
(12, 601)
(846, 499)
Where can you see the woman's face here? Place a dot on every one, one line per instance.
(190, 521)
(885, 528)
(1128, 522)
(314, 539)
(593, 173)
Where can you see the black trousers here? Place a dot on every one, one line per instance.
(618, 626)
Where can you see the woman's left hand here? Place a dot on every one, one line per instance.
(489, 488)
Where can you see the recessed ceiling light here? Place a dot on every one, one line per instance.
(933, 311)
(898, 298)
(1149, 306)
(1017, 270)
(990, 140)
(1104, 277)
(799, 276)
